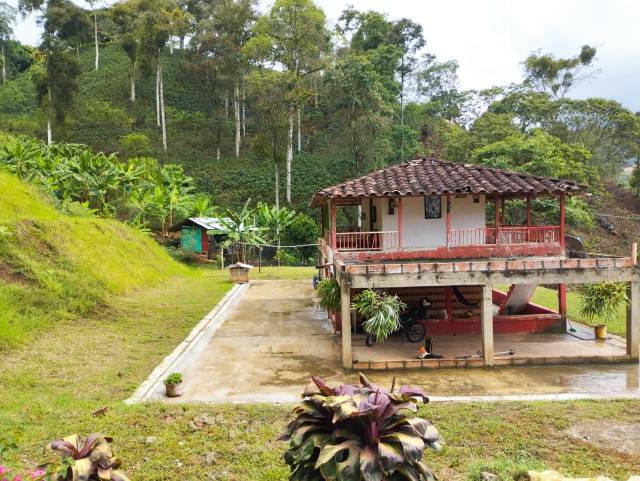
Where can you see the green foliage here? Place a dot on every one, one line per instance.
(602, 299)
(241, 230)
(328, 290)
(381, 312)
(56, 267)
(89, 458)
(634, 180)
(363, 432)
(135, 144)
(173, 378)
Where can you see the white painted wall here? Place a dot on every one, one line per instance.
(422, 233)
(425, 233)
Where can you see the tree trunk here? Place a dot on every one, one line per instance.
(402, 113)
(289, 155)
(133, 84)
(181, 42)
(95, 38)
(226, 105)
(162, 117)
(170, 46)
(218, 152)
(299, 131)
(4, 65)
(277, 175)
(244, 110)
(236, 113)
(158, 93)
(49, 134)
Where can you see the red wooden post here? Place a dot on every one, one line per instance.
(502, 203)
(400, 223)
(497, 219)
(562, 220)
(334, 237)
(448, 297)
(448, 220)
(562, 301)
(528, 217)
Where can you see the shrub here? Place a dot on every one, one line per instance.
(135, 144)
(359, 432)
(173, 378)
(602, 299)
(329, 291)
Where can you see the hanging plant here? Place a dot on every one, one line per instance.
(381, 312)
(329, 291)
(602, 300)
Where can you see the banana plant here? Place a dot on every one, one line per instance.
(359, 433)
(89, 458)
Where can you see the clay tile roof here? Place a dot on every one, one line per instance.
(437, 177)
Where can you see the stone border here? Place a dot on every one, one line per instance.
(201, 333)
(507, 361)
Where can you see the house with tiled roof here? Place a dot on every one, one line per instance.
(470, 239)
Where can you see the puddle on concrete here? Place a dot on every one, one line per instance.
(593, 380)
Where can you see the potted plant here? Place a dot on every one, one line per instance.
(381, 312)
(173, 385)
(328, 290)
(601, 300)
(359, 432)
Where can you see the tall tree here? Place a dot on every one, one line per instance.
(7, 18)
(94, 14)
(64, 25)
(221, 34)
(293, 37)
(557, 76)
(407, 35)
(268, 90)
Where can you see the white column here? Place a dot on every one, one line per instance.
(633, 321)
(486, 319)
(345, 301)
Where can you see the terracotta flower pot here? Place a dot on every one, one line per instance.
(174, 390)
(600, 331)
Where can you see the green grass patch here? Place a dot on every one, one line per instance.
(549, 298)
(55, 267)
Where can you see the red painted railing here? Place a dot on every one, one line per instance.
(366, 241)
(505, 235)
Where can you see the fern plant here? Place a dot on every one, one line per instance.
(329, 291)
(381, 312)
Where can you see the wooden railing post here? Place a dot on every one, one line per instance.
(400, 223)
(334, 240)
(448, 220)
(562, 219)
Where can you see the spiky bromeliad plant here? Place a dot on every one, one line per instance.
(88, 458)
(359, 433)
(381, 312)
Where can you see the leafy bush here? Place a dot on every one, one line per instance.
(380, 311)
(329, 291)
(88, 459)
(173, 378)
(135, 144)
(359, 432)
(602, 299)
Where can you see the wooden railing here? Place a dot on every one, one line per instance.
(505, 235)
(366, 241)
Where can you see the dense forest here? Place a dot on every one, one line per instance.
(276, 105)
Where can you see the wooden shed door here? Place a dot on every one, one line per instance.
(191, 239)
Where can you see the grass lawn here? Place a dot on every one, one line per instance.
(549, 298)
(51, 387)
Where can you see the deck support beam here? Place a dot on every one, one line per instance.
(633, 321)
(448, 220)
(400, 223)
(562, 304)
(345, 313)
(486, 321)
(562, 240)
(334, 237)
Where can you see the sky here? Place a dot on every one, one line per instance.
(490, 38)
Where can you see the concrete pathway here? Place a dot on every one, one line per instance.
(268, 347)
(266, 339)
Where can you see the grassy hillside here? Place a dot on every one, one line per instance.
(55, 267)
(103, 115)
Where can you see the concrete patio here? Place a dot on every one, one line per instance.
(529, 349)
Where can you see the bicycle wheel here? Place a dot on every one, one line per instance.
(370, 340)
(415, 332)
